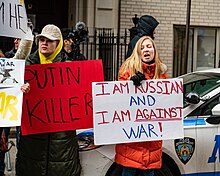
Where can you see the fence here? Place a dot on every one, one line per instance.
(108, 47)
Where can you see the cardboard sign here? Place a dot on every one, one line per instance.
(13, 19)
(126, 113)
(60, 98)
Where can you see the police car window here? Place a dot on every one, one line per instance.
(206, 108)
(201, 87)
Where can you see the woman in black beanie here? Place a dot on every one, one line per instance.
(146, 27)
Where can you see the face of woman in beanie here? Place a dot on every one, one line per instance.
(147, 51)
(17, 42)
(47, 46)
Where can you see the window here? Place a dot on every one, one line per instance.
(201, 87)
(206, 108)
(203, 52)
(205, 55)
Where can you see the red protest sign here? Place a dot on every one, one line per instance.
(60, 98)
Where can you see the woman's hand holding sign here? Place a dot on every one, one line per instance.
(25, 88)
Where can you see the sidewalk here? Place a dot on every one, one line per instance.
(10, 166)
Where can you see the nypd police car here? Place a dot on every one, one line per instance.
(194, 155)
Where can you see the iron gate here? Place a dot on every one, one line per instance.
(108, 47)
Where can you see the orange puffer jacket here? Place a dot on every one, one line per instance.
(141, 155)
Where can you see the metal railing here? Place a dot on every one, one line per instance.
(108, 47)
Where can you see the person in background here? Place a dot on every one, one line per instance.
(146, 27)
(16, 53)
(141, 158)
(67, 43)
(48, 154)
(11, 53)
(70, 49)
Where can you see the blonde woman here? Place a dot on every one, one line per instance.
(141, 158)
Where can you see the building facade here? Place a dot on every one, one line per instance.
(203, 49)
(204, 32)
(170, 34)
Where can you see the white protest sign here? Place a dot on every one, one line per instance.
(13, 19)
(124, 113)
(11, 106)
(11, 72)
(11, 97)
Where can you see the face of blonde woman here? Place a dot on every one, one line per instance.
(147, 51)
(47, 46)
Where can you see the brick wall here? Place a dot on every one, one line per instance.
(169, 13)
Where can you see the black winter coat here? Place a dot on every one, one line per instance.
(49, 154)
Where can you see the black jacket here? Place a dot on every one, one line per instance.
(72, 56)
(11, 53)
(49, 154)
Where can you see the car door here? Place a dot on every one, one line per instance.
(207, 140)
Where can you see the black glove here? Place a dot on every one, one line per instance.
(137, 78)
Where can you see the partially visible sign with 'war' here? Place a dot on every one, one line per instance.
(11, 72)
(11, 79)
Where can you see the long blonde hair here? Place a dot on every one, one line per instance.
(134, 62)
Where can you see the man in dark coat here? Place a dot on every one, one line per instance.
(146, 26)
(70, 46)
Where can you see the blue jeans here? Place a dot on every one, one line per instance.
(127, 171)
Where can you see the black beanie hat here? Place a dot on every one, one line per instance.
(147, 24)
(65, 33)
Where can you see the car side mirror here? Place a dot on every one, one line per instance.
(216, 110)
(215, 117)
(192, 98)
